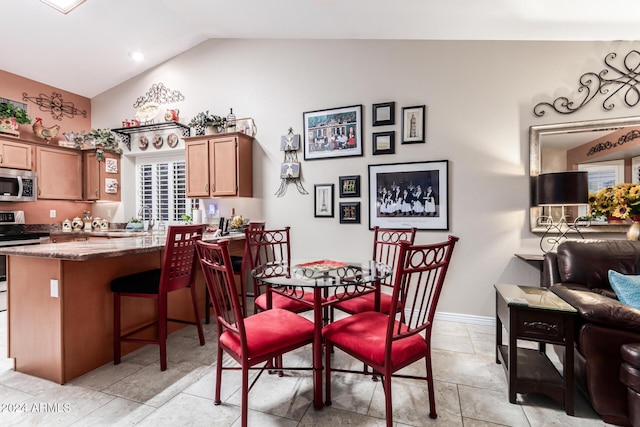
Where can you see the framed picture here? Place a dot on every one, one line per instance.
(350, 213)
(349, 186)
(333, 133)
(413, 120)
(111, 165)
(290, 170)
(384, 142)
(323, 200)
(405, 195)
(290, 142)
(384, 114)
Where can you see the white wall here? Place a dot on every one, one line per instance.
(479, 98)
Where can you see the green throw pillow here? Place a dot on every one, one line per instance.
(626, 287)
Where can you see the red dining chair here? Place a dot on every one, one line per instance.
(390, 342)
(241, 266)
(177, 272)
(386, 248)
(252, 340)
(267, 246)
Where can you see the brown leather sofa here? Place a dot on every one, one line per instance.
(577, 273)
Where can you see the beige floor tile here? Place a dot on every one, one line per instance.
(333, 417)
(541, 410)
(491, 406)
(118, 412)
(410, 401)
(189, 410)
(154, 387)
(469, 369)
(106, 375)
(451, 343)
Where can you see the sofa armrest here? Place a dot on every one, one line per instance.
(597, 308)
(550, 273)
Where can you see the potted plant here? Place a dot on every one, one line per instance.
(11, 116)
(206, 124)
(100, 139)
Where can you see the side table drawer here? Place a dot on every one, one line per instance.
(541, 325)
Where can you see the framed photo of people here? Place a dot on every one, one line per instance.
(333, 133)
(405, 195)
(323, 200)
(413, 120)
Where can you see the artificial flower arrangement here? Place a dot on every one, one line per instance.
(620, 201)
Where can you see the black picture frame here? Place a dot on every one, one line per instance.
(323, 201)
(413, 124)
(384, 142)
(390, 208)
(349, 212)
(335, 132)
(349, 186)
(384, 114)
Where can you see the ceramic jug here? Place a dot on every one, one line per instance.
(77, 223)
(104, 224)
(66, 226)
(96, 224)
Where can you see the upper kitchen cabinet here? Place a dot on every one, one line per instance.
(219, 165)
(102, 178)
(59, 173)
(15, 155)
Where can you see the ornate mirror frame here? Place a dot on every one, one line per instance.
(541, 132)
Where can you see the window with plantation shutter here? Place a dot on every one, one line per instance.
(161, 186)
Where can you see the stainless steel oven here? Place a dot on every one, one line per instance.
(12, 233)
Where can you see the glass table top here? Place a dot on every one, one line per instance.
(321, 273)
(532, 296)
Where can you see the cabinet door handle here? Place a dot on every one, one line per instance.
(96, 192)
(38, 191)
(1, 158)
(206, 188)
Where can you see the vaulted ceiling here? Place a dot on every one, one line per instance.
(87, 51)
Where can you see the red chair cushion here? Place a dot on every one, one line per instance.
(268, 332)
(286, 303)
(363, 303)
(364, 335)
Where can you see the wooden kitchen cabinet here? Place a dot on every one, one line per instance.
(15, 155)
(59, 173)
(102, 179)
(219, 165)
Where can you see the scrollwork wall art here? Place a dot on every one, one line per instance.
(621, 79)
(55, 105)
(159, 93)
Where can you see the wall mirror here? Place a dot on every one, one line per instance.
(609, 149)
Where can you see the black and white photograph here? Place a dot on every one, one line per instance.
(405, 195)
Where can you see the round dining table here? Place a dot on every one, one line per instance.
(330, 281)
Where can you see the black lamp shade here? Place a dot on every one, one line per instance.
(563, 188)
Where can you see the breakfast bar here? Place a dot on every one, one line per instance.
(60, 309)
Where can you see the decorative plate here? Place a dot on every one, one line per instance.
(143, 143)
(172, 140)
(147, 112)
(157, 141)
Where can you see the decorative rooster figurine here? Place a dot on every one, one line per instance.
(45, 133)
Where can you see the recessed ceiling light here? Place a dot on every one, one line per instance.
(64, 6)
(136, 56)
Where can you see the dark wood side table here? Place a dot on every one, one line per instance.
(535, 314)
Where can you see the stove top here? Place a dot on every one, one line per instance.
(12, 227)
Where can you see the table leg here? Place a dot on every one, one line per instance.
(317, 349)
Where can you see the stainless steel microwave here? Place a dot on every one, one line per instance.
(18, 185)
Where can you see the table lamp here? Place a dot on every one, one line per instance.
(561, 189)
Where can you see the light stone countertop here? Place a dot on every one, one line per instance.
(143, 242)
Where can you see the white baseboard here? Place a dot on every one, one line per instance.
(466, 318)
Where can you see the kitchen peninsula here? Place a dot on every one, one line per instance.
(60, 309)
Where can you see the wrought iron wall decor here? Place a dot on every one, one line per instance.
(290, 168)
(625, 81)
(608, 145)
(55, 105)
(159, 93)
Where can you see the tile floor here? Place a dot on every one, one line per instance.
(470, 391)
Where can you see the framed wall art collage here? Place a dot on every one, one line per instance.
(400, 195)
